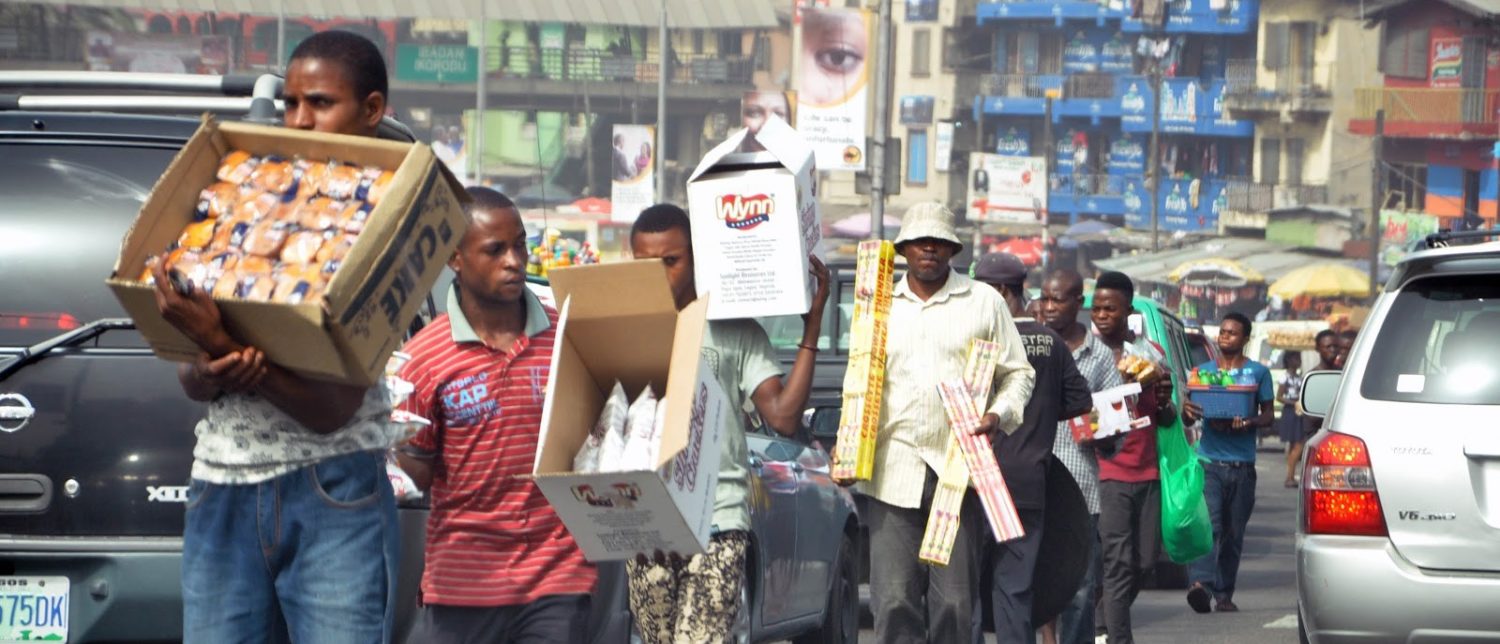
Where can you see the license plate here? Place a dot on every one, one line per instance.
(33, 609)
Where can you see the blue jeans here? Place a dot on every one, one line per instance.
(1076, 623)
(1229, 489)
(308, 556)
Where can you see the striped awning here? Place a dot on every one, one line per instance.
(681, 14)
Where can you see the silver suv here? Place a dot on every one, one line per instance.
(1399, 525)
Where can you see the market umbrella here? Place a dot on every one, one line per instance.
(1026, 249)
(1322, 280)
(857, 226)
(1089, 227)
(1215, 271)
(593, 206)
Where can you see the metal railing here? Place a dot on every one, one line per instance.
(598, 65)
(1089, 86)
(1013, 85)
(1421, 105)
(1248, 76)
(1090, 184)
(1246, 196)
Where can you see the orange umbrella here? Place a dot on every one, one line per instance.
(593, 206)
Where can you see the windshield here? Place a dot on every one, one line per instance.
(786, 330)
(1439, 344)
(67, 209)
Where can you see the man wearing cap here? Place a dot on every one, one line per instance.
(936, 314)
(1059, 393)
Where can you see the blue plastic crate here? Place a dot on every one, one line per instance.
(1224, 402)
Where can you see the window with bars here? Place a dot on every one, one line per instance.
(1294, 151)
(921, 52)
(1270, 161)
(1404, 51)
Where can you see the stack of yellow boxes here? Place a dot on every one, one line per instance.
(864, 381)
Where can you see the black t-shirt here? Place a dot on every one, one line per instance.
(1059, 388)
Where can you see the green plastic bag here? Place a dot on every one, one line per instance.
(1186, 531)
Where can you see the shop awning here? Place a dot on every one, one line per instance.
(681, 14)
(1272, 261)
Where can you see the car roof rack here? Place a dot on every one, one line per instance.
(1445, 238)
(253, 96)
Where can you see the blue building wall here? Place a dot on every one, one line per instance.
(1097, 37)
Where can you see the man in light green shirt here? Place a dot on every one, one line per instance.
(694, 600)
(936, 314)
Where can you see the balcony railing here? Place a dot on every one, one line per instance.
(1090, 185)
(596, 65)
(1013, 85)
(1245, 196)
(1248, 77)
(1090, 86)
(1432, 106)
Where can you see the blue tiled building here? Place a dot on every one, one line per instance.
(1093, 57)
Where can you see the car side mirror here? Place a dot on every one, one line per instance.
(1319, 389)
(825, 423)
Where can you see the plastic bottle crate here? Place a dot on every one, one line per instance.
(1224, 402)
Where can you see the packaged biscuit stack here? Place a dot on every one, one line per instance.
(273, 229)
(864, 380)
(969, 457)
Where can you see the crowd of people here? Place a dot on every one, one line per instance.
(291, 524)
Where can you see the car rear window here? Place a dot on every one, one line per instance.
(66, 209)
(785, 331)
(1440, 343)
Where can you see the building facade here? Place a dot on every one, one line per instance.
(1441, 104)
(1100, 64)
(1299, 89)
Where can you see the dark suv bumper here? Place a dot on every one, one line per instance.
(122, 589)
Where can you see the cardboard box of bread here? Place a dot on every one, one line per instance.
(619, 334)
(318, 248)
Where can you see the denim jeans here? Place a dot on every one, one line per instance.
(308, 556)
(1229, 489)
(1076, 623)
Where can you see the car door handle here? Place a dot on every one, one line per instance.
(24, 493)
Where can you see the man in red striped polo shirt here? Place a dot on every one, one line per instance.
(500, 565)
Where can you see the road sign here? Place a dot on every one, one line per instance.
(437, 63)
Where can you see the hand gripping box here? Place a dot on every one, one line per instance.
(618, 322)
(372, 299)
(755, 220)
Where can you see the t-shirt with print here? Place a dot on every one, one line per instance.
(1220, 444)
(492, 538)
(1135, 461)
(740, 355)
(244, 439)
(1059, 388)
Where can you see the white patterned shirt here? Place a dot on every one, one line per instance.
(244, 439)
(1097, 364)
(927, 343)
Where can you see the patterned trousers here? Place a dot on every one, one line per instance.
(690, 601)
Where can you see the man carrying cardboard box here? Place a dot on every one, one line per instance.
(936, 314)
(500, 565)
(693, 600)
(291, 522)
(1060, 393)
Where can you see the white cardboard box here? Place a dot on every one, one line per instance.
(618, 322)
(755, 220)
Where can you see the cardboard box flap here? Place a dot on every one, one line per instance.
(783, 142)
(682, 379)
(565, 426)
(730, 146)
(617, 289)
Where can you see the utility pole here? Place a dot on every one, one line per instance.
(475, 153)
(1154, 157)
(1049, 153)
(882, 121)
(1377, 197)
(662, 70)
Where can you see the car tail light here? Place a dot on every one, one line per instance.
(1338, 486)
(39, 321)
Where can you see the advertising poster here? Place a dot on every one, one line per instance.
(1013, 143)
(1007, 189)
(1127, 155)
(833, 85)
(1135, 105)
(1117, 57)
(1447, 62)
(942, 159)
(756, 106)
(1179, 105)
(633, 184)
(1082, 54)
(157, 53)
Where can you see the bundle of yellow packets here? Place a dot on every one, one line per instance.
(864, 380)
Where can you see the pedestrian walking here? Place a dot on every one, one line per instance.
(1289, 427)
(1059, 392)
(1327, 344)
(291, 523)
(1129, 479)
(935, 316)
(500, 565)
(694, 599)
(1228, 451)
(1061, 302)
